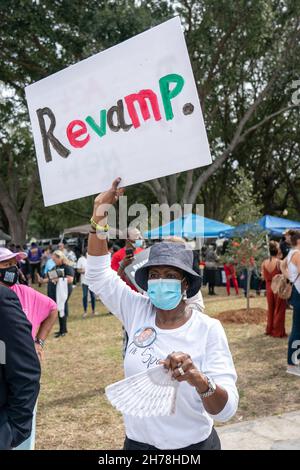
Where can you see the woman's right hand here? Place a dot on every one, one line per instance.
(104, 200)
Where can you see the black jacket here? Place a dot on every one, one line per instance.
(19, 372)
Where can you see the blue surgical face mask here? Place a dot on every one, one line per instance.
(138, 243)
(165, 293)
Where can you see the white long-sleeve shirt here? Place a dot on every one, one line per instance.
(202, 337)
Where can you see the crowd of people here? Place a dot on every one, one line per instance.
(165, 301)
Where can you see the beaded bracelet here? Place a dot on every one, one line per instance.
(99, 228)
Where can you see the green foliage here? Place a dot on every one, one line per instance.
(237, 47)
(246, 208)
(248, 248)
(38, 39)
(246, 251)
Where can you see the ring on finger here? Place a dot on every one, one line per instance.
(180, 370)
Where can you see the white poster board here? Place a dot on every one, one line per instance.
(131, 111)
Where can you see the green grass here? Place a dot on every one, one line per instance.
(73, 412)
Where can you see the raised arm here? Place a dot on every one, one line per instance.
(97, 244)
(116, 295)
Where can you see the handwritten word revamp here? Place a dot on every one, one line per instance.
(78, 133)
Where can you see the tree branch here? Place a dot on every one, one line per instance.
(150, 186)
(164, 188)
(215, 59)
(76, 212)
(237, 138)
(6, 202)
(173, 188)
(29, 197)
(188, 186)
(266, 119)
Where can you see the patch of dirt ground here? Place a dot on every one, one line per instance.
(253, 316)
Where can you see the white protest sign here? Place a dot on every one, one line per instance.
(131, 111)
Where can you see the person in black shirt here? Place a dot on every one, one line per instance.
(285, 244)
(19, 372)
(62, 270)
(210, 270)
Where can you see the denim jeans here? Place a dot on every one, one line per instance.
(211, 443)
(85, 291)
(294, 338)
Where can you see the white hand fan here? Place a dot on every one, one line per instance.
(149, 393)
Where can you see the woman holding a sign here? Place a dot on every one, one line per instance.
(191, 345)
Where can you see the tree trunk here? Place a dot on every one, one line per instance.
(17, 228)
(17, 218)
(17, 224)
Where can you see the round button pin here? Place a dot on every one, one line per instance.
(144, 336)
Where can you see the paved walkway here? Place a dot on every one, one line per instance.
(280, 432)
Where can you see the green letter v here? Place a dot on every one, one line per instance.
(100, 130)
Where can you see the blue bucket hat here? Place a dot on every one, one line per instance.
(177, 255)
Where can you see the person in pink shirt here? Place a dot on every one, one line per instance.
(40, 310)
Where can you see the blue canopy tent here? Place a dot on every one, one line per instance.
(277, 224)
(243, 230)
(189, 226)
(268, 223)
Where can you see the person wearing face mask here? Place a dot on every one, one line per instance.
(124, 257)
(38, 308)
(189, 344)
(60, 278)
